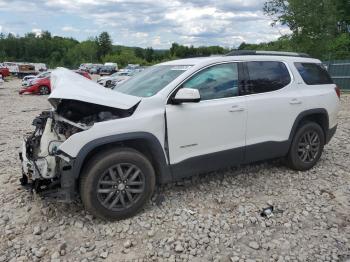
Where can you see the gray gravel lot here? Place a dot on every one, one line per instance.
(213, 217)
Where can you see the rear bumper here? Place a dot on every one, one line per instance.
(330, 133)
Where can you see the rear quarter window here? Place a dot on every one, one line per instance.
(313, 74)
(266, 76)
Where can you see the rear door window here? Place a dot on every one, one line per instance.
(313, 74)
(266, 76)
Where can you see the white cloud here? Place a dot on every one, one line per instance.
(90, 31)
(69, 29)
(156, 41)
(37, 31)
(0, 28)
(155, 23)
(141, 35)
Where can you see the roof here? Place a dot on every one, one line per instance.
(216, 59)
(268, 53)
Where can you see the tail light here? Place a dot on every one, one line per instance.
(337, 90)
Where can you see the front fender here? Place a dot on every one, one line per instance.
(150, 140)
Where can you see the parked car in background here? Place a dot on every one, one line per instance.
(107, 70)
(118, 82)
(12, 66)
(95, 69)
(115, 65)
(27, 80)
(132, 68)
(107, 81)
(42, 85)
(85, 67)
(4, 71)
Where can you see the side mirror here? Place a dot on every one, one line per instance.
(186, 95)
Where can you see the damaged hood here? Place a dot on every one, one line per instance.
(66, 84)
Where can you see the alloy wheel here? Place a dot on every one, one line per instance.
(120, 186)
(44, 90)
(308, 146)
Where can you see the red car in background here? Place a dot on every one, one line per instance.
(4, 72)
(83, 73)
(42, 86)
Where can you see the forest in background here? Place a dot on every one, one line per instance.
(61, 51)
(320, 28)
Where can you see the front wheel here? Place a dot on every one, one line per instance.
(44, 90)
(117, 184)
(307, 147)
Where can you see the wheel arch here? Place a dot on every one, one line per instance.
(145, 143)
(318, 115)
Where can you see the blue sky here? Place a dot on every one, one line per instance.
(144, 23)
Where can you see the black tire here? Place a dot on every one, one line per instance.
(44, 90)
(307, 147)
(108, 83)
(102, 187)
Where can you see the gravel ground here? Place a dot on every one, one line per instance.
(213, 217)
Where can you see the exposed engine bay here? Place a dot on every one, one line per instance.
(42, 161)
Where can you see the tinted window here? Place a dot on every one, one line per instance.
(216, 82)
(266, 77)
(313, 74)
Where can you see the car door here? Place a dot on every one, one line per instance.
(273, 104)
(209, 134)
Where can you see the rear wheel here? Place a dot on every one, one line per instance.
(307, 147)
(117, 184)
(44, 90)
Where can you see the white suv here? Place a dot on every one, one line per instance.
(173, 120)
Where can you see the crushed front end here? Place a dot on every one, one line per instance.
(45, 170)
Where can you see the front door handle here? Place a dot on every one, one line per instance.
(236, 108)
(295, 101)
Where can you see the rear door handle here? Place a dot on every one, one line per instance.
(236, 108)
(295, 101)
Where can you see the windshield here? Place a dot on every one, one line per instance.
(150, 81)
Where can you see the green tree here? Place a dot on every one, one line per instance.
(315, 24)
(104, 44)
(139, 52)
(149, 54)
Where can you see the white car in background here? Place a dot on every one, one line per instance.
(135, 68)
(12, 66)
(115, 65)
(114, 79)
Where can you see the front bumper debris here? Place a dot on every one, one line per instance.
(43, 170)
(61, 189)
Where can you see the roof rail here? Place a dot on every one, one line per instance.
(273, 53)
